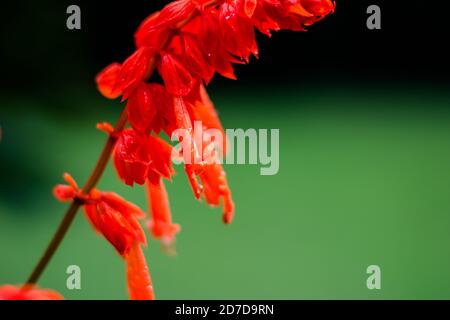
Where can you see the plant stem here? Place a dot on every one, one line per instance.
(76, 203)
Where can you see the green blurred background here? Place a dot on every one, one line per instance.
(364, 157)
(366, 185)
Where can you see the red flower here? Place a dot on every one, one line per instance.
(117, 220)
(10, 292)
(138, 157)
(214, 187)
(140, 285)
(111, 215)
(116, 80)
(161, 225)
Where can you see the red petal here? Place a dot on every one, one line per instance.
(318, 7)
(140, 285)
(141, 108)
(134, 70)
(160, 153)
(161, 225)
(131, 157)
(237, 32)
(64, 193)
(9, 292)
(194, 58)
(249, 7)
(191, 175)
(215, 186)
(106, 81)
(148, 35)
(175, 13)
(177, 79)
(209, 33)
(120, 204)
(120, 228)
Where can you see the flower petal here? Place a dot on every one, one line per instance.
(140, 285)
(10, 292)
(106, 81)
(177, 78)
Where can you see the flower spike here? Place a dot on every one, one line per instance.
(186, 43)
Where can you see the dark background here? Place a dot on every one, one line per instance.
(40, 55)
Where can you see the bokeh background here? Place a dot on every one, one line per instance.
(364, 119)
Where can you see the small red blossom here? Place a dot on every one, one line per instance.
(116, 79)
(28, 292)
(139, 157)
(110, 215)
(140, 286)
(117, 220)
(160, 224)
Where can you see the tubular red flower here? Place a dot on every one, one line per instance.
(110, 215)
(117, 220)
(140, 285)
(160, 224)
(131, 157)
(10, 292)
(138, 157)
(216, 188)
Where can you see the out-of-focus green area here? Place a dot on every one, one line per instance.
(364, 179)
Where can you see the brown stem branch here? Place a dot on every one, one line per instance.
(76, 203)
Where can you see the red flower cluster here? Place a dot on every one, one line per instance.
(187, 42)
